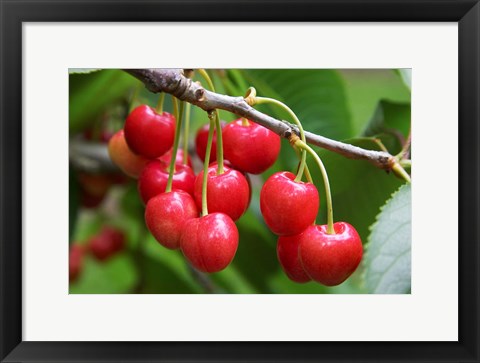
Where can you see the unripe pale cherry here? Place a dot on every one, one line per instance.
(287, 206)
(121, 155)
(330, 258)
(166, 214)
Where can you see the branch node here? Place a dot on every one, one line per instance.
(200, 94)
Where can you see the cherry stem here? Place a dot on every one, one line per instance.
(400, 172)
(207, 78)
(303, 161)
(159, 107)
(307, 171)
(205, 164)
(219, 144)
(186, 131)
(304, 146)
(220, 170)
(178, 127)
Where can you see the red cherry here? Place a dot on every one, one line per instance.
(116, 237)
(90, 201)
(106, 243)
(166, 214)
(201, 142)
(148, 133)
(330, 258)
(154, 178)
(95, 184)
(287, 206)
(288, 256)
(75, 262)
(209, 243)
(123, 157)
(227, 163)
(167, 157)
(252, 148)
(227, 193)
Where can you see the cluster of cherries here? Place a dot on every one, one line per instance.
(108, 242)
(143, 150)
(200, 219)
(307, 251)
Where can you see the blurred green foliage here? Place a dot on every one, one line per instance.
(367, 108)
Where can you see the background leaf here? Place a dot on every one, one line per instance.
(388, 257)
(92, 93)
(83, 70)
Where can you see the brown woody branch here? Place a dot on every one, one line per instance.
(174, 82)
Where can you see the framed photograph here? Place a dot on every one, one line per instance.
(257, 181)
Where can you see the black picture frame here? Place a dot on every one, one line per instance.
(14, 13)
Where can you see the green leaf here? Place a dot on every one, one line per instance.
(316, 96)
(366, 87)
(389, 117)
(91, 93)
(358, 188)
(166, 271)
(388, 256)
(117, 275)
(83, 70)
(406, 75)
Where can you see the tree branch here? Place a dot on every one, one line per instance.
(174, 82)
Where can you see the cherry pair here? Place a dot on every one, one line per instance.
(307, 251)
(208, 242)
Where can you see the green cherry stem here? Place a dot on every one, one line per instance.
(207, 78)
(186, 131)
(159, 107)
(304, 146)
(178, 127)
(206, 162)
(307, 171)
(260, 100)
(218, 126)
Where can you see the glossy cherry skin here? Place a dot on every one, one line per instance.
(287, 206)
(227, 193)
(121, 155)
(201, 140)
(289, 258)
(209, 243)
(251, 148)
(246, 175)
(148, 133)
(178, 160)
(154, 178)
(106, 243)
(166, 214)
(330, 258)
(75, 262)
